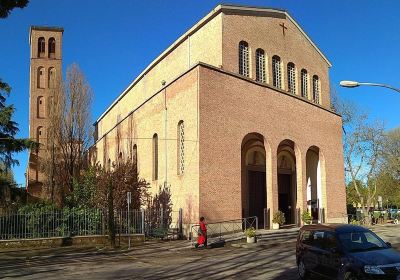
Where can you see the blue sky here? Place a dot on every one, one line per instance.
(113, 41)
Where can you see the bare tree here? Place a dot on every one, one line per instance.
(69, 133)
(391, 156)
(363, 146)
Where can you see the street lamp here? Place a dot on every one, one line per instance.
(352, 84)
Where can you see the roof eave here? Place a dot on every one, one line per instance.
(217, 10)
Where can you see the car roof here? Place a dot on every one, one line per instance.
(339, 228)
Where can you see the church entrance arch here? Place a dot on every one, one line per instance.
(287, 187)
(314, 170)
(254, 192)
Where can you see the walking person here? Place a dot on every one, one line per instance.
(202, 239)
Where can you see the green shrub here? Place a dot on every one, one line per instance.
(306, 217)
(250, 232)
(355, 222)
(376, 214)
(279, 218)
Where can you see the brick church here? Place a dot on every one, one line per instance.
(235, 117)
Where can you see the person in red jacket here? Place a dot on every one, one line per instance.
(202, 239)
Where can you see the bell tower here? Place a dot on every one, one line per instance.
(45, 75)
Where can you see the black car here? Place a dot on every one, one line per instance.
(340, 251)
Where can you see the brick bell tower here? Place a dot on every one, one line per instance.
(45, 75)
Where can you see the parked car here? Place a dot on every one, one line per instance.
(341, 251)
(394, 213)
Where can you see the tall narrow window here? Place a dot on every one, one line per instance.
(155, 157)
(304, 83)
(52, 77)
(52, 47)
(260, 65)
(316, 89)
(181, 147)
(276, 71)
(39, 138)
(244, 63)
(291, 78)
(134, 156)
(41, 107)
(41, 47)
(40, 77)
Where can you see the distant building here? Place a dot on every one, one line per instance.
(45, 74)
(235, 116)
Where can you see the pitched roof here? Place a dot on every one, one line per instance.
(224, 8)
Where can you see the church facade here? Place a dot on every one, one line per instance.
(235, 117)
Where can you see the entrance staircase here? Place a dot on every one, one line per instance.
(233, 231)
(277, 236)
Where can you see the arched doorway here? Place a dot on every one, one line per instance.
(254, 191)
(314, 184)
(287, 186)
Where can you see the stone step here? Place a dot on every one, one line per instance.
(278, 234)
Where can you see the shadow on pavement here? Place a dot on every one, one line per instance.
(287, 274)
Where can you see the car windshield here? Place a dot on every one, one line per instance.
(361, 241)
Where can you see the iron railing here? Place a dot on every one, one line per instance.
(85, 222)
(55, 223)
(217, 230)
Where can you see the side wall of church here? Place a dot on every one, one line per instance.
(203, 45)
(232, 107)
(181, 99)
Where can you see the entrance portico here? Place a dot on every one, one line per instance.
(254, 195)
(287, 181)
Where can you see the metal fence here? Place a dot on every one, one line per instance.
(84, 222)
(162, 223)
(215, 231)
(373, 217)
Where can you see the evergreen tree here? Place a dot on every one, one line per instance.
(8, 130)
(7, 5)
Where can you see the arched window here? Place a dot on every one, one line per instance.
(52, 47)
(260, 65)
(52, 77)
(316, 89)
(276, 71)
(41, 47)
(155, 157)
(39, 138)
(41, 111)
(181, 147)
(291, 71)
(134, 156)
(109, 164)
(40, 77)
(244, 63)
(304, 83)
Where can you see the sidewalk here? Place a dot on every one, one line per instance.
(389, 233)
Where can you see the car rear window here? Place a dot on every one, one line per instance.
(324, 240)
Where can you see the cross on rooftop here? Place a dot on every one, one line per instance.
(283, 27)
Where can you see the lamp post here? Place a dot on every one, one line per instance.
(352, 84)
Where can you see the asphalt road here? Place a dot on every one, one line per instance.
(160, 261)
(261, 262)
